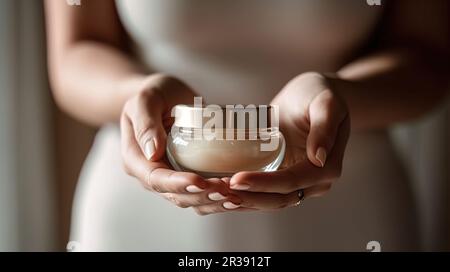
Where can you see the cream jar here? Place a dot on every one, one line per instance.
(219, 141)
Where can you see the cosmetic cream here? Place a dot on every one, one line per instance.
(219, 141)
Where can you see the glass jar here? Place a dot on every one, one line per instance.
(220, 141)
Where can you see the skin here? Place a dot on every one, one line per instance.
(404, 77)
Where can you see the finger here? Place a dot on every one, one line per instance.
(218, 185)
(217, 191)
(226, 180)
(145, 112)
(188, 200)
(300, 176)
(199, 199)
(155, 176)
(267, 201)
(163, 180)
(220, 207)
(326, 113)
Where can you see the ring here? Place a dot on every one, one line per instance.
(301, 197)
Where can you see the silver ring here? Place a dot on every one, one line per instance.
(301, 197)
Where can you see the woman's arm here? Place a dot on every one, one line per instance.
(91, 69)
(96, 79)
(408, 76)
(401, 80)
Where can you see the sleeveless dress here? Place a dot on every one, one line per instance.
(244, 52)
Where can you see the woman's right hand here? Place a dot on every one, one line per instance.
(144, 123)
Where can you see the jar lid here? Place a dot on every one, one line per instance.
(228, 117)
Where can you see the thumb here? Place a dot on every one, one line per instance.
(146, 116)
(326, 113)
(152, 139)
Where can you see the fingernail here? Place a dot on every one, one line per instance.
(216, 196)
(149, 149)
(321, 156)
(230, 205)
(194, 189)
(240, 187)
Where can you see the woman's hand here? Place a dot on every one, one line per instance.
(316, 125)
(144, 122)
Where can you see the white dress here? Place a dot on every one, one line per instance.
(244, 52)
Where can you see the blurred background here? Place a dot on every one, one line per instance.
(42, 150)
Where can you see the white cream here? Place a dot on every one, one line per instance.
(222, 156)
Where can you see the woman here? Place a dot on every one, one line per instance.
(323, 62)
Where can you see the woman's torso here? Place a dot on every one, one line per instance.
(244, 51)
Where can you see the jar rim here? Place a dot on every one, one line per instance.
(229, 116)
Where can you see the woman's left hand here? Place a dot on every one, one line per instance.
(315, 123)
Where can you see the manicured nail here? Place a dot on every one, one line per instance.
(216, 196)
(321, 156)
(149, 149)
(240, 187)
(194, 189)
(230, 205)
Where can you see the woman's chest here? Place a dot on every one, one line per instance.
(303, 29)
